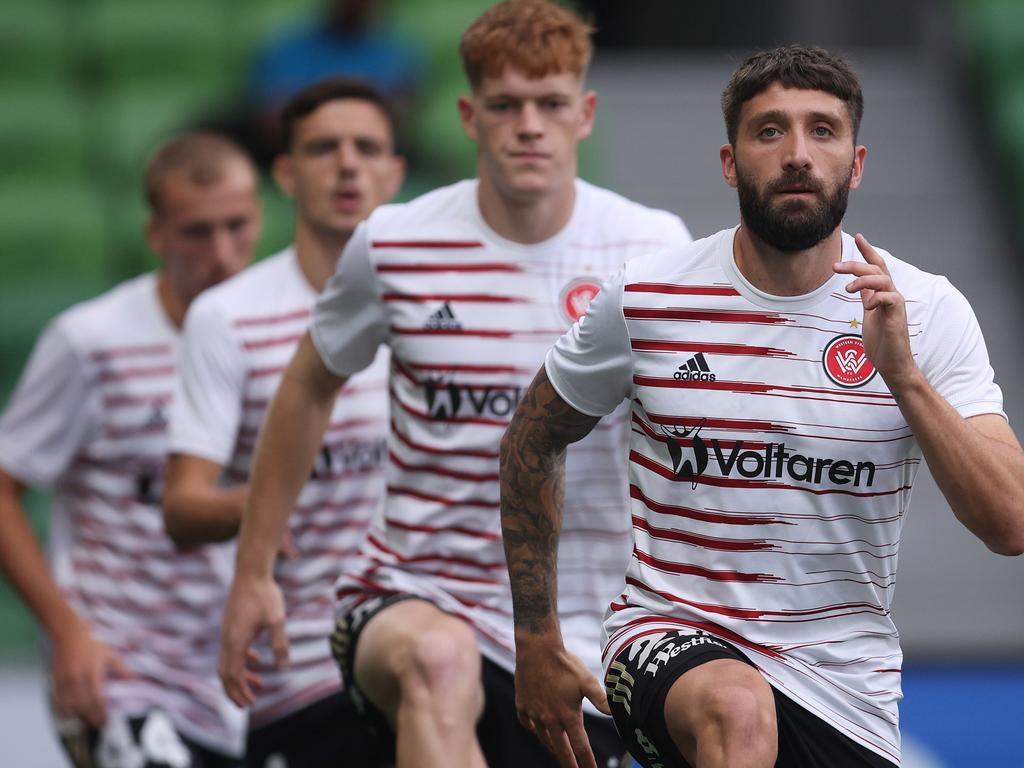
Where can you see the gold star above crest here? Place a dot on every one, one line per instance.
(854, 323)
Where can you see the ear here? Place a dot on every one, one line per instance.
(589, 113)
(860, 153)
(284, 173)
(397, 176)
(467, 116)
(728, 157)
(154, 236)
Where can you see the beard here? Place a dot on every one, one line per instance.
(793, 225)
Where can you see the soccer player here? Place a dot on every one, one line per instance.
(130, 620)
(785, 379)
(467, 285)
(339, 165)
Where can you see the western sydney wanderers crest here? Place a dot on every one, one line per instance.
(846, 362)
(576, 297)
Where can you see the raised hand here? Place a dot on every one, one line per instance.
(886, 339)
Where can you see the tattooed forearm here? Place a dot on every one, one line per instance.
(532, 491)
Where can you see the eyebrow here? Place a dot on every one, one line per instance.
(778, 116)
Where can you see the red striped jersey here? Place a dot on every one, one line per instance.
(239, 336)
(468, 316)
(89, 418)
(770, 468)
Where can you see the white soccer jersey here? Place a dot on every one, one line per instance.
(88, 417)
(238, 339)
(468, 316)
(770, 468)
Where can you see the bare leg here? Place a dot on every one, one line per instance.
(421, 668)
(722, 715)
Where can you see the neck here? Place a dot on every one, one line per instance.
(174, 306)
(528, 219)
(318, 253)
(785, 273)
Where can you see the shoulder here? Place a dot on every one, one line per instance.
(239, 292)
(95, 322)
(616, 211)
(679, 263)
(444, 210)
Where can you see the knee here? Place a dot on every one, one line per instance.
(738, 717)
(443, 661)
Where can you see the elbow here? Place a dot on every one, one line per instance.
(176, 522)
(1008, 547)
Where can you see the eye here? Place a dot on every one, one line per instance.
(369, 148)
(552, 105)
(321, 147)
(499, 107)
(769, 132)
(822, 131)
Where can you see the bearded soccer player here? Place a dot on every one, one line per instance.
(785, 379)
(130, 621)
(340, 164)
(468, 285)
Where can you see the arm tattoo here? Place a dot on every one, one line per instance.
(532, 492)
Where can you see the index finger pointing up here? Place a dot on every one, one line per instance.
(869, 253)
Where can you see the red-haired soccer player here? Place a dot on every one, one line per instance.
(468, 285)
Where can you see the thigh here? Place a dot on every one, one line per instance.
(147, 741)
(506, 743)
(326, 734)
(638, 683)
(807, 741)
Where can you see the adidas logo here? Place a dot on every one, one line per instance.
(695, 369)
(443, 319)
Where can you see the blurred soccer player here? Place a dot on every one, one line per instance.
(340, 164)
(467, 285)
(771, 467)
(131, 621)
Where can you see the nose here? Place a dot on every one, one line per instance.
(224, 250)
(797, 154)
(530, 122)
(347, 158)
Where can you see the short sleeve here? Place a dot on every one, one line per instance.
(955, 358)
(591, 366)
(208, 390)
(350, 320)
(52, 413)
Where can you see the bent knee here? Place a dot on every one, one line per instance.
(442, 657)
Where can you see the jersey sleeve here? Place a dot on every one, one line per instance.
(209, 386)
(955, 359)
(350, 320)
(51, 414)
(591, 366)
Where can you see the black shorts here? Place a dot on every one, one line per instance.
(326, 734)
(146, 741)
(637, 699)
(503, 739)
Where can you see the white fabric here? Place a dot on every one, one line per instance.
(88, 417)
(238, 339)
(468, 316)
(792, 559)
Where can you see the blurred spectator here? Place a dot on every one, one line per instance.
(351, 39)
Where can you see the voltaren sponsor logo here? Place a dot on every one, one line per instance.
(772, 462)
(446, 400)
